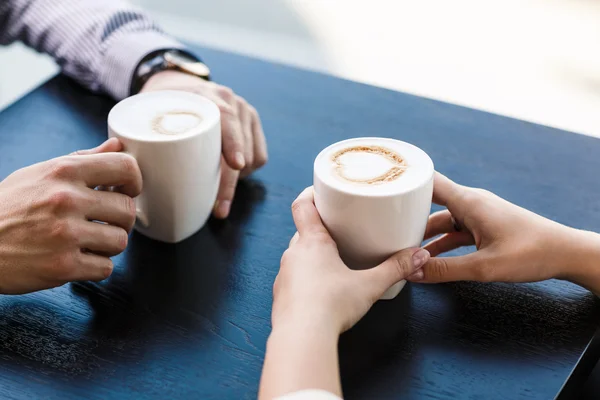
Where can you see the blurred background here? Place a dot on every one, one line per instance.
(537, 60)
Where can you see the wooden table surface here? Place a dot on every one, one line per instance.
(191, 320)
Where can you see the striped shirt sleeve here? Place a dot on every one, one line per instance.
(96, 42)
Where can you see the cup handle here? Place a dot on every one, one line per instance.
(141, 213)
(141, 216)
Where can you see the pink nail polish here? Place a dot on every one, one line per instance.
(416, 276)
(420, 258)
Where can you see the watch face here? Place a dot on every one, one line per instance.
(187, 64)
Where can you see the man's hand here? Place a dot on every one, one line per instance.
(244, 144)
(47, 211)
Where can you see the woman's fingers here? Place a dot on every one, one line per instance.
(438, 223)
(450, 269)
(448, 242)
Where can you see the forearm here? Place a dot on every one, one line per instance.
(580, 262)
(299, 357)
(98, 43)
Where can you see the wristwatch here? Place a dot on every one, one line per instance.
(165, 60)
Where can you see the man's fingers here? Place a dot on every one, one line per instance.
(93, 267)
(229, 181)
(394, 269)
(438, 223)
(305, 213)
(103, 239)
(450, 269)
(261, 154)
(105, 169)
(231, 129)
(111, 145)
(246, 125)
(449, 242)
(113, 208)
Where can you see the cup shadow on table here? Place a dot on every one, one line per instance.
(189, 276)
(487, 322)
(158, 288)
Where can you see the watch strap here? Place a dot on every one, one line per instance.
(151, 64)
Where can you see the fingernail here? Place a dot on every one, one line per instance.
(222, 208)
(420, 258)
(416, 276)
(240, 160)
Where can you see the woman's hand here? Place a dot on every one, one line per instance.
(513, 244)
(315, 298)
(314, 284)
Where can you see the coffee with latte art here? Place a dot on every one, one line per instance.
(374, 197)
(160, 116)
(175, 122)
(175, 137)
(369, 165)
(373, 166)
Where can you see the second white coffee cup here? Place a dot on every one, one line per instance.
(175, 137)
(370, 220)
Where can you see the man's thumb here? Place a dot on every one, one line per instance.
(395, 269)
(112, 145)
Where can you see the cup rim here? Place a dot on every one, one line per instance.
(209, 119)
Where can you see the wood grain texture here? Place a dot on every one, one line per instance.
(191, 320)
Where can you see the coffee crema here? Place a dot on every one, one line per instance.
(366, 163)
(176, 122)
(372, 166)
(163, 116)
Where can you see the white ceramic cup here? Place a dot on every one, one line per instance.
(181, 173)
(369, 224)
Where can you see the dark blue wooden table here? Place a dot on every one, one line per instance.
(191, 320)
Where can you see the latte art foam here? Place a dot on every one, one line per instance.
(369, 165)
(163, 116)
(373, 166)
(175, 122)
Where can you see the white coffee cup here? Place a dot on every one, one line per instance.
(372, 202)
(180, 164)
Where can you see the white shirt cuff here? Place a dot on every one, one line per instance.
(123, 56)
(309, 394)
